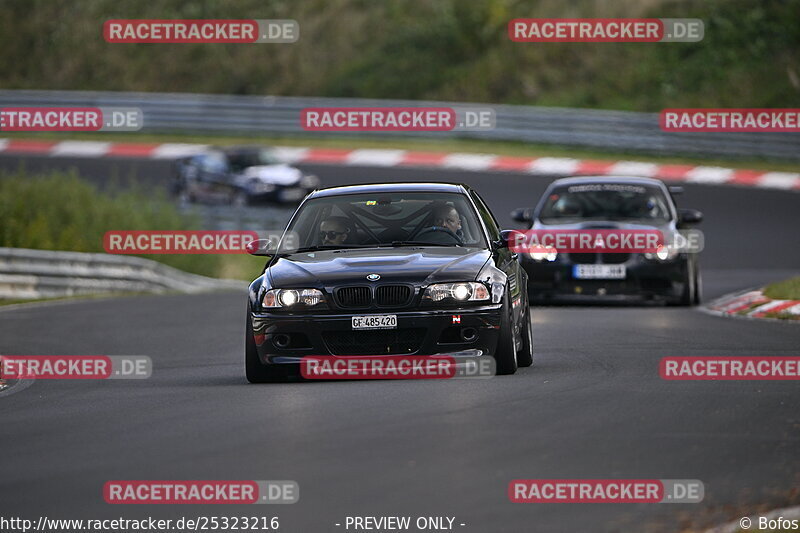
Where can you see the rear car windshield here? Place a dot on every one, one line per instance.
(605, 201)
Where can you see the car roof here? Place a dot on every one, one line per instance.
(378, 188)
(583, 180)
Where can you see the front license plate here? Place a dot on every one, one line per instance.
(375, 322)
(598, 271)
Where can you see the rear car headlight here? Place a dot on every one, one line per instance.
(275, 298)
(468, 291)
(663, 253)
(543, 253)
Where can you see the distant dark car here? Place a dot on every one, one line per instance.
(391, 269)
(671, 275)
(240, 175)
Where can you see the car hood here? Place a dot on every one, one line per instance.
(273, 174)
(420, 266)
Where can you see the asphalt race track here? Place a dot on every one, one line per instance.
(592, 406)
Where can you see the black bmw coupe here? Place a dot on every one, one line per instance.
(388, 269)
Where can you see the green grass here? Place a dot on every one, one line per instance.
(59, 211)
(507, 148)
(784, 290)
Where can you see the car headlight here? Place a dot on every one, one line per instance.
(663, 253)
(274, 298)
(543, 253)
(469, 291)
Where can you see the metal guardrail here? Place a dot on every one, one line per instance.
(33, 274)
(612, 130)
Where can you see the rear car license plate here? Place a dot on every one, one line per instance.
(598, 271)
(375, 322)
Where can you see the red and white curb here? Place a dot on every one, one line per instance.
(444, 160)
(752, 304)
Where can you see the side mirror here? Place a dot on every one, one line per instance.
(675, 190)
(260, 247)
(506, 236)
(523, 214)
(689, 216)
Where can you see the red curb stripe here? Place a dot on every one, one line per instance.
(423, 158)
(132, 150)
(757, 301)
(777, 308)
(589, 166)
(674, 172)
(327, 155)
(746, 177)
(30, 147)
(510, 163)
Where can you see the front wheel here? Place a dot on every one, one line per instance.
(505, 354)
(525, 354)
(255, 370)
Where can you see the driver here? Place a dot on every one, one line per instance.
(446, 227)
(446, 216)
(334, 231)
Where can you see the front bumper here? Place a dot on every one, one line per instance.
(418, 332)
(644, 280)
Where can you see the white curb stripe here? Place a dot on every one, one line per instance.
(3, 144)
(634, 168)
(469, 161)
(378, 158)
(170, 150)
(82, 148)
(709, 175)
(553, 165)
(290, 154)
(779, 180)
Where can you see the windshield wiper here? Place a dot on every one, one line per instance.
(321, 248)
(419, 243)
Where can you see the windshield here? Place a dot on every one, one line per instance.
(605, 201)
(387, 219)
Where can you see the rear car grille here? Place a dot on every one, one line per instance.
(392, 294)
(614, 259)
(354, 297)
(362, 297)
(583, 258)
(376, 342)
(588, 258)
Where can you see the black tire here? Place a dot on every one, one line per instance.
(505, 355)
(688, 295)
(698, 285)
(525, 354)
(255, 371)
